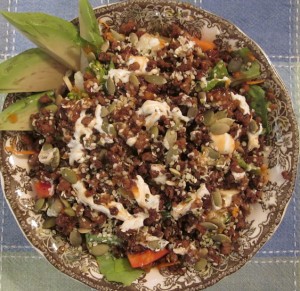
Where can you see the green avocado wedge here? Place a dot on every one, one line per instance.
(31, 71)
(16, 117)
(57, 37)
(89, 28)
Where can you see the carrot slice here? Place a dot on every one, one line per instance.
(142, 259)
(204, 44)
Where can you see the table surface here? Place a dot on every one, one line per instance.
(274, 25)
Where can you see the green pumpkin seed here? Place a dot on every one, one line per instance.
(56, 159)
(105, 46)
(65, 202)
(154, 131)
(55, 207)
(253, 127)
(217, 199)
(91, 57)
(155, 79)
(221, 114)
(69, 212)
(104, 111)
(99, 249)
(192, 112)
(170, 155)
(201, 264)
(69, 175)
(123, 192)
(219, 128)
(202, 97)
(222, 238)
(117, 36)
(175, 172)
(209, 225)
(133, 38)
(39, 204)
(112, 131)
(235, 65)
(111, 107)
(110, 86)
(208, 117)
(49, 222)
(213, 154)
(59, 99)
(219, 221)
(203, 252)
(153, 245)
(51, 108)
(226, 120)
(170, 138)
(47, 147)
(75, 238)
(133, 79)
(84, 230)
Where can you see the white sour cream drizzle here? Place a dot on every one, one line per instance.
(243, 104)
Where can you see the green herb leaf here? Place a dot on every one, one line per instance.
(117, 270)
(212, 84)
(258, 102)
(250, 72)
(219, 71)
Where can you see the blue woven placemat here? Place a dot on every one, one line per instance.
(274, 25)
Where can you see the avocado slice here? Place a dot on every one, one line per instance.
(17, 115)
(31, 71)
(57, 37)
(89, 28)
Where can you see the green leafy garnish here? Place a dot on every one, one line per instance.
(251, 71)
(247, 167)
(258, 102)
(117, 270)
(96, 68)
(219, 71)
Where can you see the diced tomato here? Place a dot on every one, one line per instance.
(142, 259)
(42, 189)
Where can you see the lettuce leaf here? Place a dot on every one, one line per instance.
(219, 71)
(117, 270)
(259, 103)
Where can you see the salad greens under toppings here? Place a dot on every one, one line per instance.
(148, 149)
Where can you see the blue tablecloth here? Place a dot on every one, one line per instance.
(274, 25)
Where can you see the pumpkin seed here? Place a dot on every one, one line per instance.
(105, 46)
(217, 199)
(58, 99)
(235, 64)
(222, 238)
(91, 57)
(133, 79)
(75, 238)
(208, 117)
(226, 120)
(65, 202)
(51, 108)
(104, 111)
(203, 252)
(123, 192)
(69, 175)
(84, 230)
(209, 225)
(175, 172)
(133, 38)
(201, 264)
(47, 147)
(219, 128)
(192, 112)
(117, 36)
(170, 138)
(99, 249)
(69, 212)
(111, 107)
(154, 132)
(219, 221)
(202, 97)
(153, 245)
(110, 86)
(56, 158)
(221, 114)
(155, 79)
(170, 155)
(39, 204)
(253, 127)
(112, 131)
(55, 208)
(213, 154)
(49, 222)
